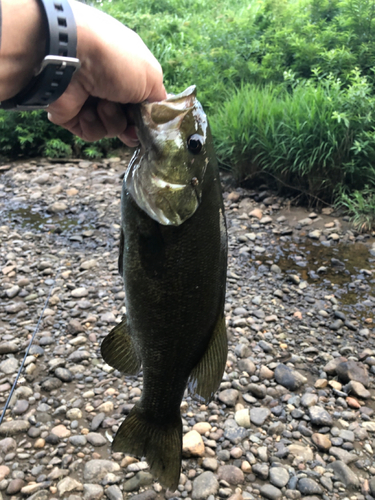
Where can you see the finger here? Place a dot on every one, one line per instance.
(129, 137)
(113, 118)
(87, 124)
(91, 124)
(67, 107)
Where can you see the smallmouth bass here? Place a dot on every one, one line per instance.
(173, 259)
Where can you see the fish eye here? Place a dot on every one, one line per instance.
(194, 144)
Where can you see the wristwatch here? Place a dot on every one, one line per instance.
(59, 64)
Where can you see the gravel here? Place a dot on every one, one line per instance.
(294, 414)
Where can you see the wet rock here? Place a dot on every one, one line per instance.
(229, 396)
(97, 469)
(258, 416)
(68, 484)
(343, 455)
(97, 420)
(58, 206)
(236, 434)
(64, 374)
(8, 348)
(14, 427)
(15, 486)
(279, 476)
(261, 470)
(20, 407)
(140, 479)
(271, 492)
(9, 366)
(302, 452)
(231, 474)
(205, 485)
(322, 441)
(308, 486)
(351, 370)
(331, 366)
(114, 493)
(93, 492)
(192, 444)
(242, 418)
(320, 417)
(38, 495)
(51, 384)
(75, 326)
(291, 379)
(7, 445)
(60, 431)
(344, 474)
(96, 439)
(357, 389)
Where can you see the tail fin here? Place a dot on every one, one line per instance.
(160, 444)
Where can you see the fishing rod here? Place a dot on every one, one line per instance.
(28, 348)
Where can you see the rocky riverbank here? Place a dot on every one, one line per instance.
(294, 417)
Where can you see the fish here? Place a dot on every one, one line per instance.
(173, 260)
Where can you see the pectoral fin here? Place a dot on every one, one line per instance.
(118, 350)
(205, 378)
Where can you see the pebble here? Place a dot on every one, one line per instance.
(231, 474)
(279, 476)
(205, 485)
(296, 399)
(289, 378)
(95, 470)
(319, 416)
(271, 492)
(258, 416)
(14, 427)
(193, 445)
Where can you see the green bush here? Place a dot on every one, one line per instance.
(288, 86)
(311, 136)
(31, 134)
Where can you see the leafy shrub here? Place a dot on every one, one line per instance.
(312, 135)
(361, 207)
(32, 134)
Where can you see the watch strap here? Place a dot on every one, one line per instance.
(58, 66)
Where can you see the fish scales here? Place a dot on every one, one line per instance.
(173, 261)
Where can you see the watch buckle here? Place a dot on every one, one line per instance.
(61, 61)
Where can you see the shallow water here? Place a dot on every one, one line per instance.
(31, 219)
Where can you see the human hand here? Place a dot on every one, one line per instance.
(117, 68)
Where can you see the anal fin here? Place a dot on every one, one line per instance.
(205, 378)
(118, 350)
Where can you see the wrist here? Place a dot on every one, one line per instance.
(22, 50)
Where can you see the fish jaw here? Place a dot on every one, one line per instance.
(169, 204)
(165, 177)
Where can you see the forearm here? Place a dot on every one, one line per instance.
(22, 44)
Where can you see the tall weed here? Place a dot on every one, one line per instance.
(311, 136)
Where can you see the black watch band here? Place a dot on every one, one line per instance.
(57, 67)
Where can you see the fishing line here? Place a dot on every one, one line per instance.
(28, 347)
